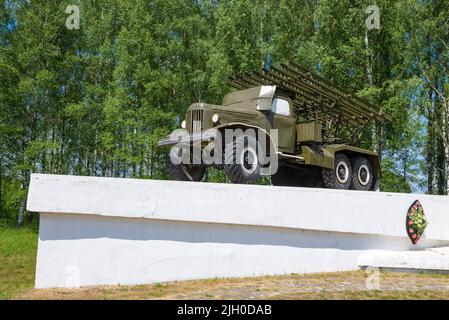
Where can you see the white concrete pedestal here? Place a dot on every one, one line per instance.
(104, 231)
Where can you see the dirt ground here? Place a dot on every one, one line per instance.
(344, 285)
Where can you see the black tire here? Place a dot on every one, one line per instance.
(376, 184)
(241, 162)
(341, 176)
(185, 172)
(363, 175)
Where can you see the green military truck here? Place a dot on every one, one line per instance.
(309, 116)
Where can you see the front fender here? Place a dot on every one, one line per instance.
(238, 125)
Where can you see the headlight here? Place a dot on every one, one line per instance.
(215, 118)
(183, 124)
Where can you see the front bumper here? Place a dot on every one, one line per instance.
(186, 138)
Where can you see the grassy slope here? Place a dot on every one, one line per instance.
(17, 261)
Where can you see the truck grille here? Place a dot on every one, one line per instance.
(196, 121)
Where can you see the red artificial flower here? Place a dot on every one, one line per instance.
(414, 236)
(411, 230)
(410, 222)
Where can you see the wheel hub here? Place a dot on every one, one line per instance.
(363, 175)
(342, 172)
(249, 160)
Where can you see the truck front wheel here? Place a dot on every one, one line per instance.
(184, 172)
(341, 176)
(241, 160)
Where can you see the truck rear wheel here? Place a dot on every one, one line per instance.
(341, 176)
(185, 172)
(242, 161)
(363, 174)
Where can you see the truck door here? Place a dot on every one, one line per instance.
(282, 118)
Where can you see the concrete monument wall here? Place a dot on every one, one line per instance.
(106, 231)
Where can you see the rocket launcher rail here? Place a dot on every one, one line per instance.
(316, 98)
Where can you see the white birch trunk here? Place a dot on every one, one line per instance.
(445, 134)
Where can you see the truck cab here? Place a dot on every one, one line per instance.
(282, 117)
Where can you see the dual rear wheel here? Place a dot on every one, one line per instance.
(356, 174)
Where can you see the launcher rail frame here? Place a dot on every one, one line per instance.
(316, 98)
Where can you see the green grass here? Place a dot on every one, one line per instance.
(18, 249)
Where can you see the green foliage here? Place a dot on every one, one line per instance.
(419, 221)
(95, 101)
(217, 176)
(392, 179)
(11, 195)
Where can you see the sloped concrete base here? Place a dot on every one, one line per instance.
(104, 231)
(434, 260)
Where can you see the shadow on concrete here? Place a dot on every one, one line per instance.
(95, 227)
